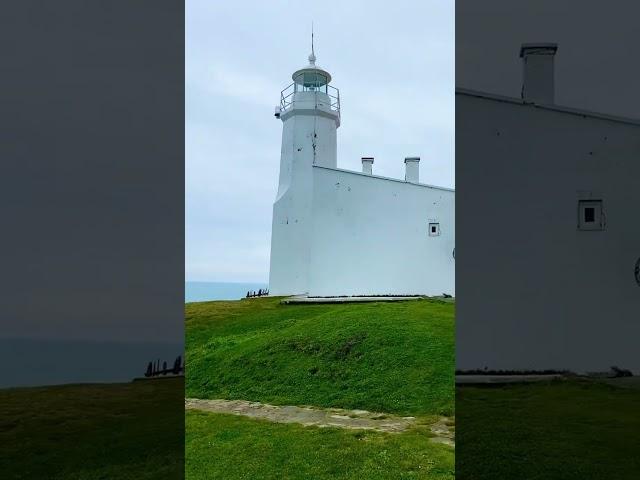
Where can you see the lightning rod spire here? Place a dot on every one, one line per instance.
(312, 57)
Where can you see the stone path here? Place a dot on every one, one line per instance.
(323, 417)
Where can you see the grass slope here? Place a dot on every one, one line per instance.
(86, 432)
(562, 429)
(229, 447)
(391, 357)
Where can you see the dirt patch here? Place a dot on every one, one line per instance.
(323, 417)
(346, 348)
(443, 431)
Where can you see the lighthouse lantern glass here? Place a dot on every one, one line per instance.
(311, 81)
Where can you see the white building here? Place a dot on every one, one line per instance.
(548, 266)
(338, 232)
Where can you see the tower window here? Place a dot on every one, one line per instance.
(434, 229)
(590, 216)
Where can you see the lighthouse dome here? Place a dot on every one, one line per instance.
(312, 76)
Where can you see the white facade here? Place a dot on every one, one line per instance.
(337, 232)
(539, 288)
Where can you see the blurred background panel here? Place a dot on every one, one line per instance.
(547, 172)
(92, 237)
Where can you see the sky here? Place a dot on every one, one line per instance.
(394, 65)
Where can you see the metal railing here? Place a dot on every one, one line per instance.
(335, 99)
(287, 96)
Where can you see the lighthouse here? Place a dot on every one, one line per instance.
(310, 113)
(338, 232)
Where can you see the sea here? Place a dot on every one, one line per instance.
(28, 362)
(36, 361)
(208, 291)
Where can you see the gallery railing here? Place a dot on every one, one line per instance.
(287, 95)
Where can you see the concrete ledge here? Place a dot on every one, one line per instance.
(298, 299)
(503, 379)
(159, 377)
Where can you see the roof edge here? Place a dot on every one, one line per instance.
(379, 177)
(544, 106)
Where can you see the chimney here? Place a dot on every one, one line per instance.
(537, 72)
(412, 169)
(367, 164)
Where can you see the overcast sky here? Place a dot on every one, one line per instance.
(394, 65)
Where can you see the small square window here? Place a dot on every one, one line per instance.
(590, 216)
(434, 229)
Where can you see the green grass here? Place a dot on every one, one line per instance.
(229, 447)
(391, 357)
(559, 430)
(90, 432)
(386, 357)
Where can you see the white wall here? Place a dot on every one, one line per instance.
(370, 236)
(308, 136)
(533, 291)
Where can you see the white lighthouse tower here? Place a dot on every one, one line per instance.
(310, 113)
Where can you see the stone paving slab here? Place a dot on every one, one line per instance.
(442, 428)
(330, 417)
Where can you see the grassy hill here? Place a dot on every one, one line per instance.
(386, 357)
(393, 357)
(90, 432)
